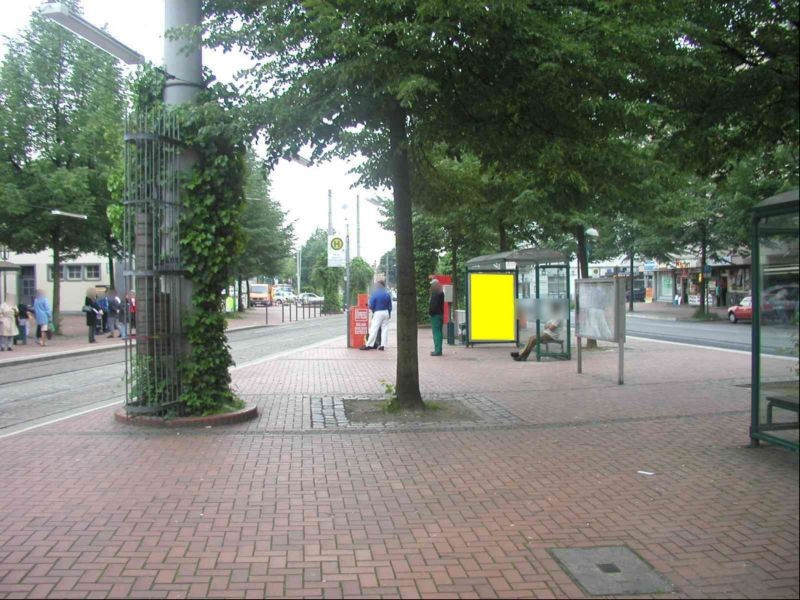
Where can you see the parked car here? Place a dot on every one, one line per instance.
(779, 303)
(283, 296)
(638, 295)
(742, 311)
(310, 298)
(259, 294)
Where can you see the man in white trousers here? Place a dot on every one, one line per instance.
(380, 303)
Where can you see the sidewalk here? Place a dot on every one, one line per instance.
(73, 339)
(671, 312)
(304, 503)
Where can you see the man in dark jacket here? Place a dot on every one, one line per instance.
(436, 312)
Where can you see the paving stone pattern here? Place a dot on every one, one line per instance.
(277, 507)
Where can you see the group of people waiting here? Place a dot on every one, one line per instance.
(105, 313)
(108, 313)
(15, 320)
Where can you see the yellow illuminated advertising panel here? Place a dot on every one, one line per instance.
(492, 316)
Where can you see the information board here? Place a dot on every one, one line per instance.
(597, 310)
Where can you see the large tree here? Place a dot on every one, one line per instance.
(61, 118)
(354, 77)
(267, 237)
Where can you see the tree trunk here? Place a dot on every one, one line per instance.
(583, 254)
(407, 385)
(703, 250)
(112, 284)
(454, 276)
(503, 234)
(239, 301)
(583, 267)
(631, 300)
(56, 283)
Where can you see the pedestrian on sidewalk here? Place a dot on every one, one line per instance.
(114, 306)
(43, 314)
(102, 304)
(436, 313)
(24, 312)
(8, 323)
(380, 303)
(130, 307)
(93, 312)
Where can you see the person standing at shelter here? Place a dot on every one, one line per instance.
(8, 323)
(92, 310)
(43, 314)
(380, 303)
(436, 313)
(24, 312)
(114, 307)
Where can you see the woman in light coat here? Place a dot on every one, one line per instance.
(8, 323)
(43, 314)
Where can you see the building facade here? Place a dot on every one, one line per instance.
(77, 275)
(680, 280)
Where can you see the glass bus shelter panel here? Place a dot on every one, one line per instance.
(526, 294)
(779, 284)
(553, 302)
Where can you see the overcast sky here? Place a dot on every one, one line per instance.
(302, 191)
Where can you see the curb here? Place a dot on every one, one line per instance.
(248, 413)
(82, 351)
(651, 317)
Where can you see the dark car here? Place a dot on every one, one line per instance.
(638, 295)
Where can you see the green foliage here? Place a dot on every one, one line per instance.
(211, 240)
(328, 280)
(361, 276)
(266, 237)
(146, 386)
(61, 122)
(314, 253)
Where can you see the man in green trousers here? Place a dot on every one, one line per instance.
(436, 312)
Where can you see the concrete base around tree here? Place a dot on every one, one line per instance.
(302, 502)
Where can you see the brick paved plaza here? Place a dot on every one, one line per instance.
(294, 504)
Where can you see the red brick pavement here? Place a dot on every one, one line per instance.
(92, 508)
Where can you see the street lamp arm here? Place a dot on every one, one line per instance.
(61, 14)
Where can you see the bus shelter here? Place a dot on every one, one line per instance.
(776, 283)
(514, 295)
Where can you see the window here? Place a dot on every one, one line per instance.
(92, 272)
(50, 272)
(74, 272)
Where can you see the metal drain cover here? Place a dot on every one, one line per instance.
(610, 571)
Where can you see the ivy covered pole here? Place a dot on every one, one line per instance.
(183, 58)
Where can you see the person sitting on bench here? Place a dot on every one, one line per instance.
(553, 332)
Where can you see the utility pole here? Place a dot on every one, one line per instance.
(183, 60)
(358, 225)
(299, 268)
(330, 213)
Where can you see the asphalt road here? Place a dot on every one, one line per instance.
(35, 392)
(719, 334)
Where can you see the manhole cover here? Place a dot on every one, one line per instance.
(610, 571)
